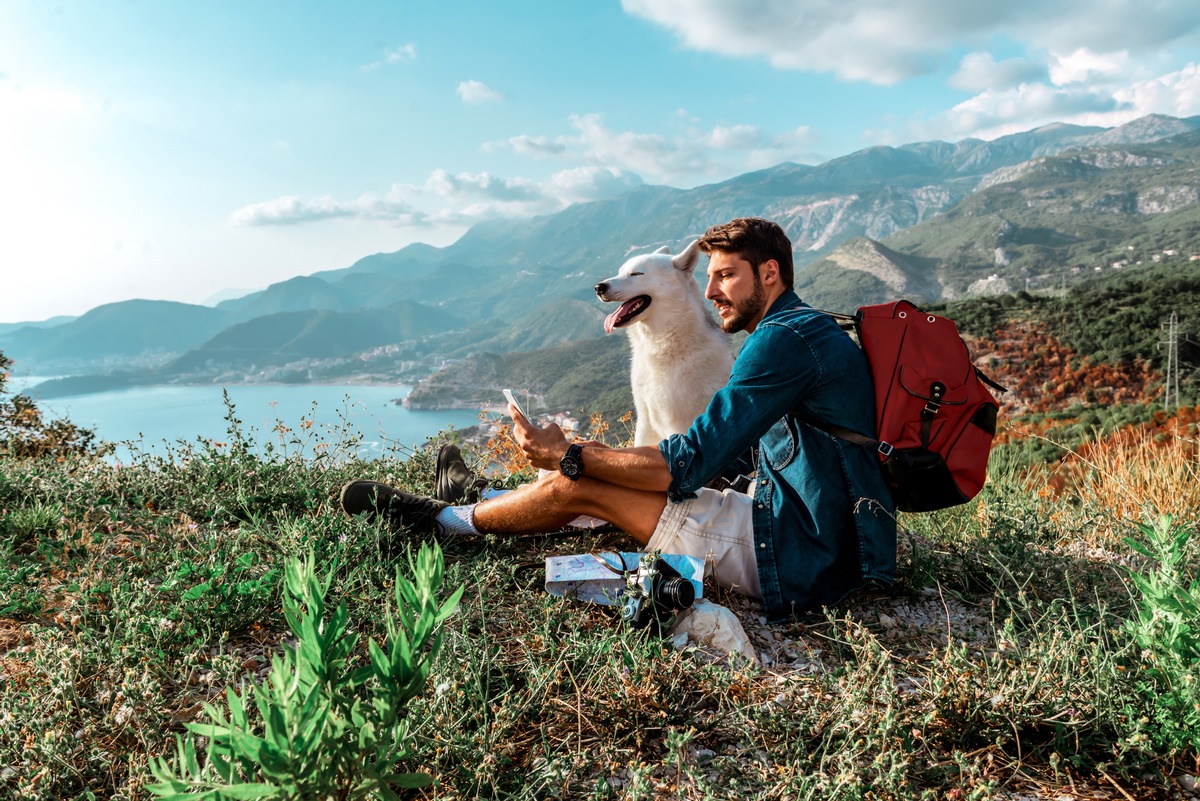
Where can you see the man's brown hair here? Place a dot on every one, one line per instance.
(754, 239)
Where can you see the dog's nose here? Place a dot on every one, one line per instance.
(601, 289)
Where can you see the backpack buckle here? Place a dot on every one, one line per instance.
(886, 449)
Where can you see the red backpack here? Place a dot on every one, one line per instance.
(935, 419)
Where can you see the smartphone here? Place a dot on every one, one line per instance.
(511, 398)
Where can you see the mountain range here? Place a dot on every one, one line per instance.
(929, 220)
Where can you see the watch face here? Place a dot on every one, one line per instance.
(571, 465)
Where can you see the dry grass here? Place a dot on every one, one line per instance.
(1133, 475)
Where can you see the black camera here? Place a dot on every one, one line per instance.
(654, 593)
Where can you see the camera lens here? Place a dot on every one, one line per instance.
(674, 593)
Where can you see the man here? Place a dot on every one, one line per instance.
(818, 523)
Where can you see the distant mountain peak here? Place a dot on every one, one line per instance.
(1149, 128)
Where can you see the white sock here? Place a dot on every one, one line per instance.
(456, 520)
(492, 492)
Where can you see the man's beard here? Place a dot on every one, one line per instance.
(745, 311)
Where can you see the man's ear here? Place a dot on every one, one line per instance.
(688, 259)
(768, 271)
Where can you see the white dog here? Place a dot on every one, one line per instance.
(679, 355)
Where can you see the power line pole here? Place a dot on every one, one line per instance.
(1171, 385)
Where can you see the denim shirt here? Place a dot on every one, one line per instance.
(823, 517)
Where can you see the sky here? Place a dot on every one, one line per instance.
(176, 150)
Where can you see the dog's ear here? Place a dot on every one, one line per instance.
(688, 259)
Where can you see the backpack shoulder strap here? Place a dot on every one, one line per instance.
(848, 435)
(846, 322)
(849, 323)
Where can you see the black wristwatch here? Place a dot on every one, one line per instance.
(571, 465)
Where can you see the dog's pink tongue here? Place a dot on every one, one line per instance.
(610, 322)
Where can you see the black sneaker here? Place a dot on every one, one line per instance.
(454, 481)
(399, 508)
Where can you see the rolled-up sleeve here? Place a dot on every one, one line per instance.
(774, 371)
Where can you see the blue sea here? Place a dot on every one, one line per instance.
(298, 417)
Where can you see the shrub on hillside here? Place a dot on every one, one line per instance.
(26, 433)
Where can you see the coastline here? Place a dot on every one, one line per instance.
(72, 386)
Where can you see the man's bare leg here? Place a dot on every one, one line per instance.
(554, 501)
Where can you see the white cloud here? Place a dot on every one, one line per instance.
(996, 113)
(683, 158)
(1176, 93)
(472, 197)
(1083, 65)
(643, 153)
(590, 183)
(291, 210)
(447, 198)
(883, 42)
(398, 55)
(477, 93)
(731, 137)
(980, 70)
(1104, 103)
(535, 145)
(448, 185)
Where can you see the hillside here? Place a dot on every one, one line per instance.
(590, 374)
(1096, 347)
(146, 332)
(928, 220)
(1117, 318)
(8, 328)
(278, 339)
(1065, 215)
(864, 271)
(547, 325)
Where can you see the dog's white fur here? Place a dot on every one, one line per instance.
(680, 356)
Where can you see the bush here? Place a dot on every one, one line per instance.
(26, 433)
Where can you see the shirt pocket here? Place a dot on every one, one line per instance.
(779, 444)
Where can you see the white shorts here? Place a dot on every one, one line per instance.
(718, 527)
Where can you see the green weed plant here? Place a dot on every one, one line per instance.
(1167, 629)
(324, 728)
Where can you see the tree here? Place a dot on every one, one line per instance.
(25, 433)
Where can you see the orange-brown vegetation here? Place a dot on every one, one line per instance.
(1042, 374)
(1137, 473)
(1153, 464)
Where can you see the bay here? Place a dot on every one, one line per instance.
(295, 417)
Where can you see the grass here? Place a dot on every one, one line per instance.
(1017, 653)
